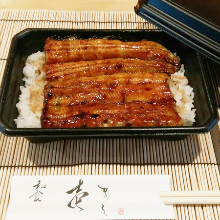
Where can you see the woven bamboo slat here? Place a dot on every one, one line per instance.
(191, 163)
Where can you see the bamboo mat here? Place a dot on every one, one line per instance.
(191, 163)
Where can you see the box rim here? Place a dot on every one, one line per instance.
(64, 132)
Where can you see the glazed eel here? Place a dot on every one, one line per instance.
(70, 70)
(108, 83)
(136, 114)
(60, 51)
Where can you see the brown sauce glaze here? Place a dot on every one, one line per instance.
(131, 114)
(98, 49)
(71, 70)
(150, 93)
(108, 83)
(118, 78)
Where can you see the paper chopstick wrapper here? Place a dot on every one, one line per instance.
(89, 197)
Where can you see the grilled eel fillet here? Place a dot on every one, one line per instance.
(136, 114)
(60, 51)
(70, 70)
(93, 94)
(138, 100)
(118, 78)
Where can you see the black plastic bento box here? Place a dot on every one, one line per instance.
(32, 40)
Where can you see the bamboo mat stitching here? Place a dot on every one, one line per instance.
(92, 163)
(116, 151)
(86, 21)
(191, 163)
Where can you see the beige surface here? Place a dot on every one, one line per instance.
(191, 163)
(76, 5)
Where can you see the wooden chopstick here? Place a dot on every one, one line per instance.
(189, 194)
(191, 200)
(190, 197)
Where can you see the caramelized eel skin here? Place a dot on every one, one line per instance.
(145, 100)
(58, 51)
(92, 94)
(98, 83)
(118, 78)
(70, 70)
(136, 114)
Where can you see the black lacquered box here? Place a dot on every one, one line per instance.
(32, 40)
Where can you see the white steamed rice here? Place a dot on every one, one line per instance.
(184, 96)
(31, 99)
